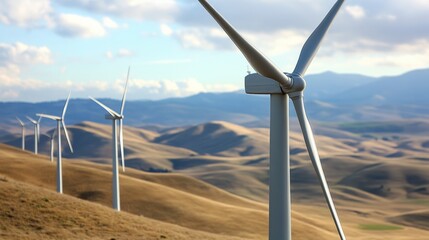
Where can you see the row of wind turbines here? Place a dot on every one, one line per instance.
(281, 87)
(117, 119)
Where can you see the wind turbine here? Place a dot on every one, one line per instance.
(36, 133)
(114, 116)
(22, 132)
(285, 85)
(60, 122)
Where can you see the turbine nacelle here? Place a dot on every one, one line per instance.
(256, 83)
(110, 117)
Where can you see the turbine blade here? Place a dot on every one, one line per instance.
(121, 143)
(312, 44)
(31, 120)
(125, 93)
(110, 111)
(48, 116)
(298, 103)
(258, 61)
(65, 106)
(20, 122)
(67, 135)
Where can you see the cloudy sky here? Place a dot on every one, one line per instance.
(175, 49)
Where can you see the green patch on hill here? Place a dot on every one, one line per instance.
(379, 227)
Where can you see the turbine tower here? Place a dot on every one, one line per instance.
(36, 133)
(282, 86)
(51, 145)
(22, 132)
(114, 116)
(60, 122)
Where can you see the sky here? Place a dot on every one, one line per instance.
(175, 49)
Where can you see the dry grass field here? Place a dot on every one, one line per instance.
(215, 186)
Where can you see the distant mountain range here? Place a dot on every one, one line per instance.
(330, 97)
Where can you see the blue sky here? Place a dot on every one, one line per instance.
(175, 49)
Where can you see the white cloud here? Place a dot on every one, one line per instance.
(356, 11)
(15, 56)
(121, 53)
(33, 90)
(164, 10)
(273, 43)
(166, 30)
(22, 54)
(24, 13)
(109, 54)
(158, 89)
(168, 61)
(387, 17)
(71, 25)
(109, 23)
(124, 53)
(9, 75)
(202, 38)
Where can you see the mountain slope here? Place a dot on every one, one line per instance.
(218, 138)
(171, 201)
(329, 96)
(407, 89)
(29, 212)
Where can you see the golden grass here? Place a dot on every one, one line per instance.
(359, 164)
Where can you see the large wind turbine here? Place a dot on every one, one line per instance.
(285, 85)
(114, 116)
(60, 122)
(22, 132)
(36, 132)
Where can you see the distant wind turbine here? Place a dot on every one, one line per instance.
(60, 122)
(114, 116)
(36, 133)
(285, 85)
(22, 132)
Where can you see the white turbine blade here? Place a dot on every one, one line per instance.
(110, 111)
(121, 143)
(312, 44)
(20, 122)
(125, 93)
(258, 61)
(314, 156)
(65, 106)
(67, 135)
(31, 120)
(48, 116)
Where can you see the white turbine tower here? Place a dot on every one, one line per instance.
(36, 133)
(51, 145)
(114, 116)
(60, 122)
(22, 132)
(285, 85)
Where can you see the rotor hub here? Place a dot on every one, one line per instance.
(298, 83)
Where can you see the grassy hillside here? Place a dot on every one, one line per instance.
(193, 209)
(30, 212)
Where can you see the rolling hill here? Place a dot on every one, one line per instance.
(212, 179)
